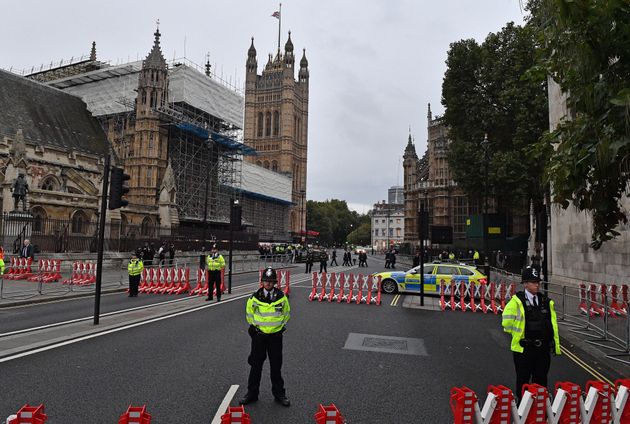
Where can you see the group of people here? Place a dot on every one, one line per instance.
(390, 259)
(148, 253)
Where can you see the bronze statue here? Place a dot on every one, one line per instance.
(19, 189)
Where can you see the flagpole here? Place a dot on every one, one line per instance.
(279, 26)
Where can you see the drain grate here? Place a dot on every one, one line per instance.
(385, 344)
(382, 343)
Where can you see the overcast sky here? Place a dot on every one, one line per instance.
(374, 64)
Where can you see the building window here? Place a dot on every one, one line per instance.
(260, 124)
(274, 165)
(149, 177)
(79, 222)
(276, 122)
(259, 163)
(151, 142)
(39, 217)
(268, 124)
(49, 183)
(146, 229)
(383, 232)
(266, 164)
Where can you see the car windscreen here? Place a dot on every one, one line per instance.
(447, 270)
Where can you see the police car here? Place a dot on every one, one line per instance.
(434, 274)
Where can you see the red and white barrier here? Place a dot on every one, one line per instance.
(284, 280)
(600, 406)
(613, 298)
(159, 280)
(49, 270)
(135, 415)
(202, 284)
(468, 296)
(20, 269)
(235, 414)
(348, 288)
(29, 415)
(83, 273)
(328, 415)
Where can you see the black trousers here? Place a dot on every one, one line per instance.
(322, 267)
(335, 261)
(214, 279)
(134, 282)
(264, 345)
(309, 266)
(531, 366)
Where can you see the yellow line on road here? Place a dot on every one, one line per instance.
(395, 300)
(585, 366)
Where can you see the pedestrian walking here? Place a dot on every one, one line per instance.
(162, 254)
(27, 250)
(267, 313)
(345, 259)
(392, 259)
(387, 259)
(171, 254)
(530, 318)
(309, 261)
(214, 264)
(134, 269)
(334, 258)
(416, 259)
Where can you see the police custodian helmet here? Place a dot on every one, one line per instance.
(530, 274)
(269, 274)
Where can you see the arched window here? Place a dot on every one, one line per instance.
(274, 165)
(266, 164)
(50, 183)
(260, 124)
(259, 163)
(79, 222)
(39, 219)
(73, 190)
(276, 122)
(147, 228)
(268, 124)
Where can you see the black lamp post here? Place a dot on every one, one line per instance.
(303, 215)
(485, 144)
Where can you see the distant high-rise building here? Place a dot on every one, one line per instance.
(396, 195)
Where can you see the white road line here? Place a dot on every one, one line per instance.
(115, 330)
(224, 405)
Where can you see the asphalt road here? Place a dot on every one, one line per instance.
(182, 367)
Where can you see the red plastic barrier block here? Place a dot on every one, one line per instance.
(625, 414)
(602, 409)
(538, 411)
(235, 414)
(463, 402)
(328, 415)
(30, 415)
(571, 411)
(502, 410)
(135, 415)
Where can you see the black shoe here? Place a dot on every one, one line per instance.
(247, 399)
(208, 299)
(282, 400)
(218, 299)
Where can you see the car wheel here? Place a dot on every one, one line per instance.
(389, 286)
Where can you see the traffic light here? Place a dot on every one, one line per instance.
(117, 188)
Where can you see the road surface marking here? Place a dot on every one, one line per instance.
(224, 405)
(115, 330)
(585, 366)
(395, 300)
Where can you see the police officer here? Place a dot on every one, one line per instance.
(214, 264)
(267, 312)
(530, 318)
(134, 269)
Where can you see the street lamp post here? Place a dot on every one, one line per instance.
(485, 144)
(303, 215)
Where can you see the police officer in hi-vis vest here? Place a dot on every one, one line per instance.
(214, 264)
(530, 318)
(134, 268)
(267, 313)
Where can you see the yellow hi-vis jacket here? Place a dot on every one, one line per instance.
(135, 267)
(215, 264)
(271, 317)
(513, 322)
(1, 266)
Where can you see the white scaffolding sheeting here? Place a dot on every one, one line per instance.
(187, 85)
(257, 179)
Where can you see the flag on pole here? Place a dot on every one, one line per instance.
(276, 15)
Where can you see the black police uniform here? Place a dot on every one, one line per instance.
(535, 360)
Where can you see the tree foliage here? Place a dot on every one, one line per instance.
(333, 220)
(585, 48)
(362, 236)
(487, 89)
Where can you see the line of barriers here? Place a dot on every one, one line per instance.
(326, 414)
(348, 288)
(617, 294)
(165, 280)
(603, 404)
(466, 296)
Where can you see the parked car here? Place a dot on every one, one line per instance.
(434, 275)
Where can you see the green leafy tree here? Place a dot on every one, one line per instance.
(333, 220)
(585, 48)
(361, 236)
(487, 89)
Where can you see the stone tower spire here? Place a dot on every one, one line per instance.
(208, 66)
(429, 114)
(93, 52)
(303, 74)
(289, 59)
